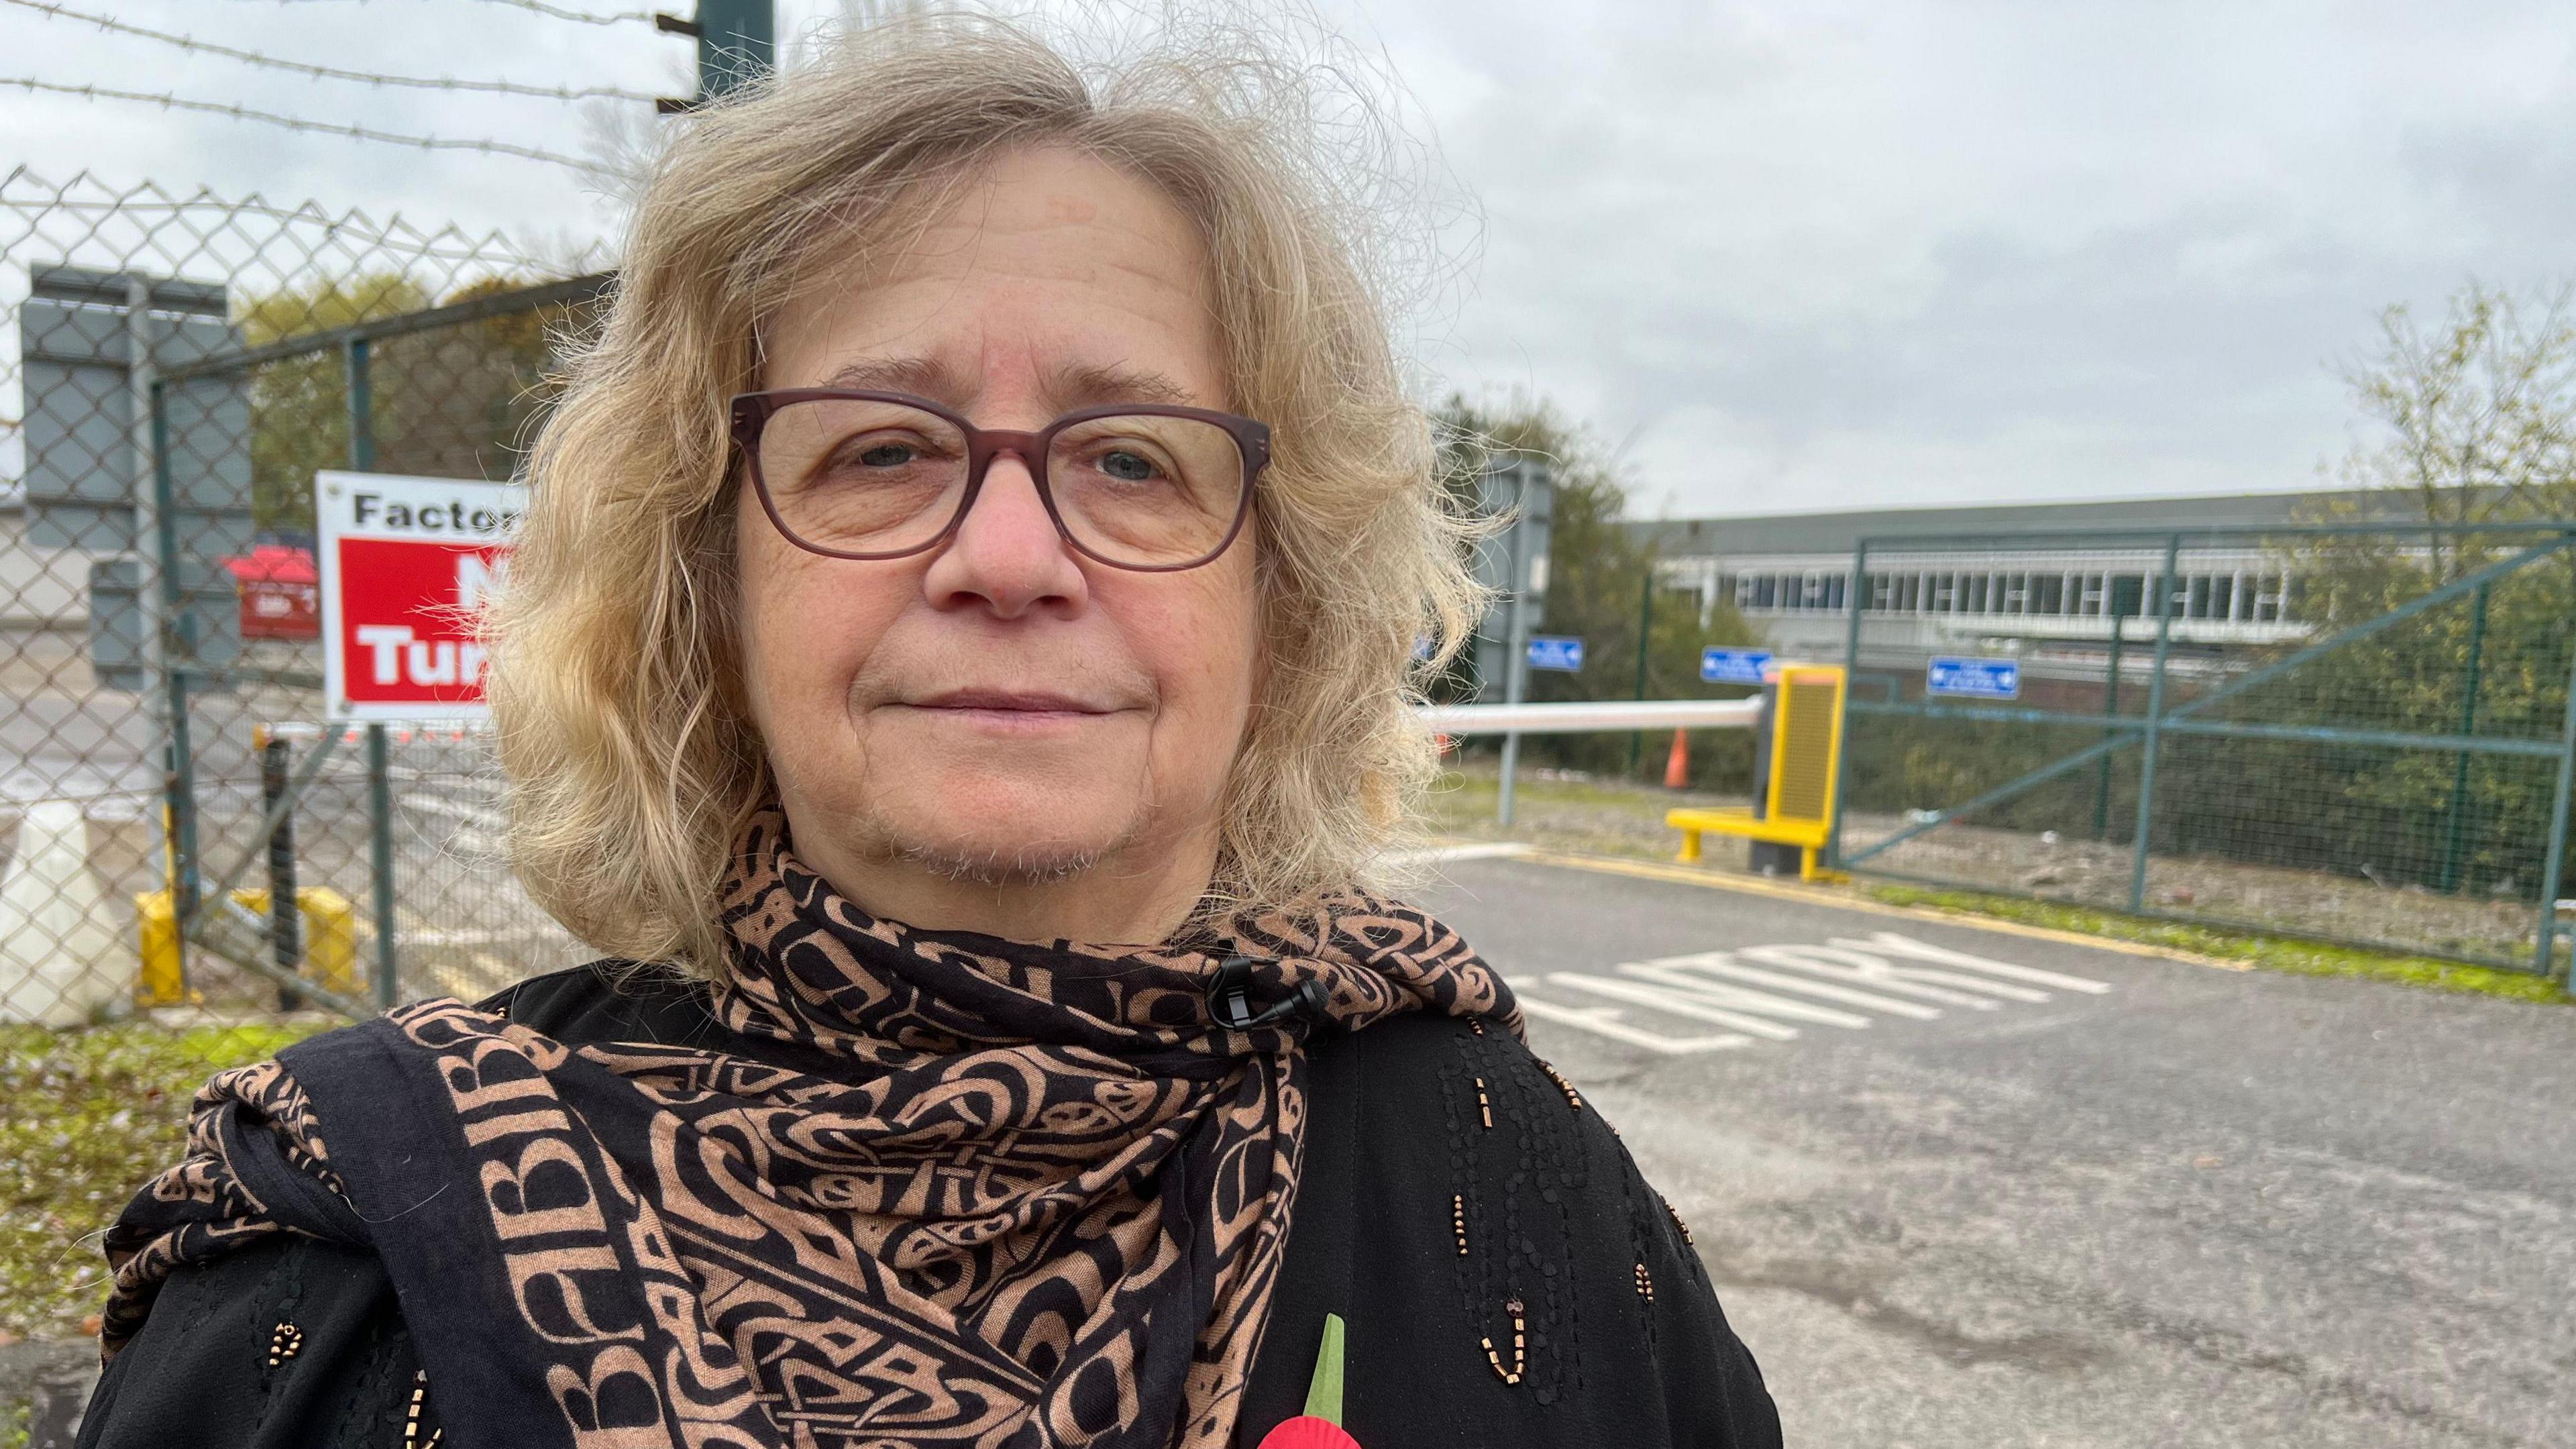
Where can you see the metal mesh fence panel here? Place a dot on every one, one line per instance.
(464, 927)
(2354, 734)
(177, 369)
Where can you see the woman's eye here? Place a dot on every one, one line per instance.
(1127, 467)
(886, 455)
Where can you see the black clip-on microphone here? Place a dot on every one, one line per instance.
(1229, 998)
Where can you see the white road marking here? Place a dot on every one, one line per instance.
(1841, 963)
(1691, 987)
(1673, 1003)
(1680, 977)
(1890, 943)
(1606, 1021)
(1723, 963)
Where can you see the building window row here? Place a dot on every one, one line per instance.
(1812, 589)
(2238, 596)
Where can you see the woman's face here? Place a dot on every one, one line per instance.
(978, 728)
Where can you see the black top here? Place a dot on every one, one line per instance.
(295, 1342)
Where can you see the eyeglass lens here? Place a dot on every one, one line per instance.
(862, 476)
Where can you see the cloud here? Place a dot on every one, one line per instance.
(1838, 256)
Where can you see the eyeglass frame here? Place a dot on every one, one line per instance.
(750, 413)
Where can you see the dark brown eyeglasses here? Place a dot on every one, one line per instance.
(880, 475)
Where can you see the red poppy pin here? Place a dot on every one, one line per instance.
(1320, 1427)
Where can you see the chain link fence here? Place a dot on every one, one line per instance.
(2356, 734)
(186, 837)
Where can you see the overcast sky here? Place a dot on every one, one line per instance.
(1796, 256)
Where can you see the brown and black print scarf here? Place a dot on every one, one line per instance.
(981, 1193)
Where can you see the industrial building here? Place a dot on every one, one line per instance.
(2057, 585)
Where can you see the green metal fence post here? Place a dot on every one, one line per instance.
(2155, 722)
(178, 644)
(357, 357)
(1856, 596)
(2468, 726)
(285, 903)
(380, 861)
(2556, 860)
(355, 360)
(2110, 706)
(1645, 633)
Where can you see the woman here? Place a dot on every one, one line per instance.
(990, 521)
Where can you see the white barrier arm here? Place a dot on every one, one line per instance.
(1563, 719)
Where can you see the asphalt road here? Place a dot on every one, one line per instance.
(2132, 1201)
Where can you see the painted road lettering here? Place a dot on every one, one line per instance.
(1774, 993)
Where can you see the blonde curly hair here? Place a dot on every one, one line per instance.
(615, 686)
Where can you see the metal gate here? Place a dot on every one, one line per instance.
(182, 365)
(2349, 733)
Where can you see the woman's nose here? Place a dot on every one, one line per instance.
(1007, 554)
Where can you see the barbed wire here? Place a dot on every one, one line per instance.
(299, 123)
(53, 11)
(617, 17)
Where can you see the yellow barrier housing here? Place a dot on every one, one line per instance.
(330, 941)
(1806, 769)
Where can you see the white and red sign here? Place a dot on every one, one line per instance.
(406, 563)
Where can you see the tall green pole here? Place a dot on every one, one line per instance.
(1645, 633)
(2155, 723)
(2468, 726)
(737, 45)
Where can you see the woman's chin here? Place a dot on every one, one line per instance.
(1009, 832)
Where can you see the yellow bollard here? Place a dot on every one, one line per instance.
(330, 937)
(160, 983)
(330, 942)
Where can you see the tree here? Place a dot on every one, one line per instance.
(2473, 421)
(1598, 577)
(2478, 413)
(299, 405)
(464, 401)
(452, 402)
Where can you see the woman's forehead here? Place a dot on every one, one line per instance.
(1048, 266)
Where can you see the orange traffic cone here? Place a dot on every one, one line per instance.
(1677, 765)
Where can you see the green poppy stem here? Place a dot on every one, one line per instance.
(1324, 1391)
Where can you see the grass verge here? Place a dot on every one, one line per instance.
(85, 1117)
(2269, 953)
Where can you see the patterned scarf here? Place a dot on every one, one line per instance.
(981, 1193)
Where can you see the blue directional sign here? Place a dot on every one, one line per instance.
(1555, 651)
(1974, 678)
(1733, 666)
